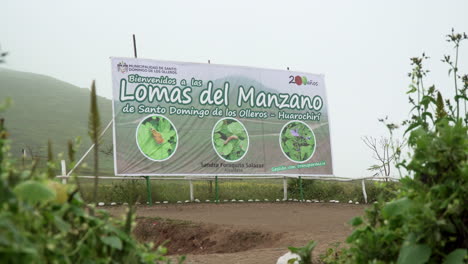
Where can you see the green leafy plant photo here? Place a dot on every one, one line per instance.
(230, 139)
(297, 141)
(157, 138)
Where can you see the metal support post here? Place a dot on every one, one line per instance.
(191, 190)
(148, 189)
(301, 190)
(216, 190)
(285, 189)
(364, 191)
(64, 172)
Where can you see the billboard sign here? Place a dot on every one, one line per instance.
(180, 119)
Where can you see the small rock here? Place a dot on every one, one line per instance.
(257, 200)
(288, 256)
(331, 201)
(113, 203)
(207, 201)
(158, 202)
(277, 200)
(308, 201)
(233, 200)
(226, 201)
(165, 202)
(241, 201)
(137, 203)
(197, 201)
(322, 201)
(290, 199)
(101, 204)
(295, 200)
(125, 203)
(187, 201)
(337, 201)
(250, 200)
(356, 203)
(266, 200)
(350, 201)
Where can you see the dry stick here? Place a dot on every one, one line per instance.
(93, 130)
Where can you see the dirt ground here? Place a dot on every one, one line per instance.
(242, 233)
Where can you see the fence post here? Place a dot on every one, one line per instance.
(191, 190)
(364, 191)
(216, 190)
(285, 189)
(148, 189)
(301, 190)
(64, 172)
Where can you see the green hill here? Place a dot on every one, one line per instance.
(46, 108)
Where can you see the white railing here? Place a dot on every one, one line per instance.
(66, 176)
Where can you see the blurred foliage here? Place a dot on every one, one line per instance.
(427, 221)
(44, 221)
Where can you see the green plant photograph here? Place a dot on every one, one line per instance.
(230, 139)
(297, 141)
(157, 138)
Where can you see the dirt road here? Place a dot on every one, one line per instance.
(266, 229)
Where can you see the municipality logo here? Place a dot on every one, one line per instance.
(122, 67)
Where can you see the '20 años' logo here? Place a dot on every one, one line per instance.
(301, 80)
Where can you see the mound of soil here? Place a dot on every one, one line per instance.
(184, 237)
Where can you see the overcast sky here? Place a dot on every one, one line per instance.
(362, 47)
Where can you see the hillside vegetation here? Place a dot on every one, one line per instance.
(46, 108)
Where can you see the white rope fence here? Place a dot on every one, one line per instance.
(66, 176)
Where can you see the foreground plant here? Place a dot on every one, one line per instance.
(44, 221)
(427, 222)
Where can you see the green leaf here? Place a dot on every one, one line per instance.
(414, 254)
(33, 192)
(356, 221)
(290, 144)
(411, 127)
(168, 135)
(243, 145)
(426, 100)
(396, 207)
(305, 152)
(427, 114)
(227, 149)
(412, 90)
(112, 241)
(219, 142)
(456, 257)
(163, 125)
(219, 126)
(236, 128)
(61, 225)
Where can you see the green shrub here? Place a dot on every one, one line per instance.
(44, 221)
(427, 221)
